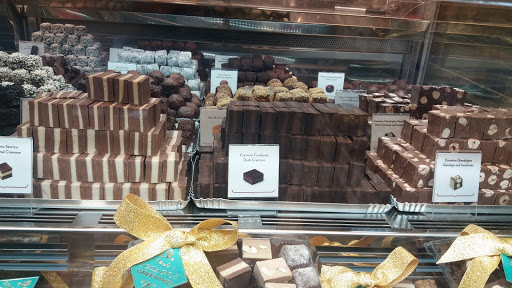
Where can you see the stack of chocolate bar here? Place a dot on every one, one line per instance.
(103, 145)
(423, 98)
(266, 263)
(386, 102)
(322, 150)
(407, 163)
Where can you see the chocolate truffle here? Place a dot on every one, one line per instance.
(175, 101)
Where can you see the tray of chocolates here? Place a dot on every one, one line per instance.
(267, 262)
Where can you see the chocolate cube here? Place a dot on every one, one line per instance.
(297, 147)
(251, 122)
(253, 176)
(234, 274)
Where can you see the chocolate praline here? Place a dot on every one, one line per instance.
(195, 99)
(175, 101)
(178, 77)
(157, 75)
(185, 93)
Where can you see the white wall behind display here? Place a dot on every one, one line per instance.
(253, 171)
(16, 165)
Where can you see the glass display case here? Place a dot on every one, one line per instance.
(377, 44)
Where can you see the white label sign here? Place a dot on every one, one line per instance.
(114, 54)
(217, 76)
(389, 125)
(253, 171)
(25, 47)
(16, 165)
(456, 176)
(331, 83)
(221, 59)
(348, 97)
(210, 120)
(121, 67)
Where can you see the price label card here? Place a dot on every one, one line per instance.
(457, 176)
(348, 97)
(331, 83)
(211, 120)
(25, 47)
(221, 59)
(163, 271)
(389, 125)
(16, 165)
(19, 282)
(253, 171)
(121, 67)
(217, 76)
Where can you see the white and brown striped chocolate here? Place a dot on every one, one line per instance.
(90, 141)
(121, 88)
(58, 138)
(73, 168)
(117, 167)
(66, 113)
(51, 113)
(66, 95)
(34, 108)
(89, 168)
(153, 169)
(139, 118)
(45, 187)
(104, 141)
(24, 130)
(41, 139)
(96, 116)
(54, 167)
(170, 163)
(157, 102)
(136, 169)
(111, 114)
(75, 140)
(160, 192)
(80, 112)
(91, 85)
(121, 139)
(108, 85)
(136, 94)
(124, 117)
(177, 191)
(39, 164)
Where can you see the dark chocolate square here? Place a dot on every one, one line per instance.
(253, 176)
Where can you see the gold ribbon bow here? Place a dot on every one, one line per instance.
(138, 218)
(397, 266)
(484, 248)
(322, 241)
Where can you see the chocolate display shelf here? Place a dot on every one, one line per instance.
(35, 203)
(450, 209)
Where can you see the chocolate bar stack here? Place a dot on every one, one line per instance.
(322, 150)
(423, 98)
(105, 144)
(386, 102)
(407, 163)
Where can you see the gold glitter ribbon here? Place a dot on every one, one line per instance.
(322, 241)
(139, 219)
(484, 248)
(395, 268)
(54, 280)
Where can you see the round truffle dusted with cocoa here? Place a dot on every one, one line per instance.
(156, 91)
(175, 101)
(185, 93)
(188, 112)
(157, 75)
(179, 78)
(195, 99)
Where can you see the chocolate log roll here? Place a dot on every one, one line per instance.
(121, 88)
(138, 90)
(251, 122)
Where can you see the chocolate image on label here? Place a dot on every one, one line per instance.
(329, 88)
(5, 171)
(456, 182)
(253, 176)
(390, 134)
